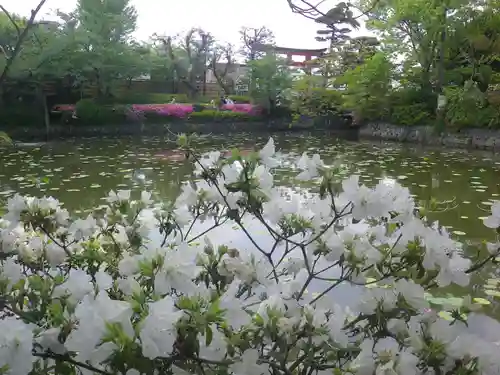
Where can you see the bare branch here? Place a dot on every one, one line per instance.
(251, 37)
(222, 52)
(370, 9)
(20, 39)
(311, 11)
(307, 9)
(186, 43)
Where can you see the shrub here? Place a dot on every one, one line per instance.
(184, 111)
(153, 114)
(90, 113)
(411, 114)
(5, 139)
(469, 108)
(21, 115)
(151, 98)
(221, 115)
(406, 96)
(368, 86)
(316, 101)
(141, 288)
(242, 99)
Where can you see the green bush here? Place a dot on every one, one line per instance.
(314, 101)
(325, 101)
(413, 95)
(211, 114)
(21, 115)
(410, 114)
(151, 98)
(205, 115)
(237, 99)
(368, 86)
(242, 99)
(90, 113)
(469, 108)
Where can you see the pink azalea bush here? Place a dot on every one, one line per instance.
(176, 110)
(184, 110)
(243, 108)
(63, 108)
(179, 110)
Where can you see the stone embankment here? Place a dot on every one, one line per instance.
(481, 139)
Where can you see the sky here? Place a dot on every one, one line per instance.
(222, 18)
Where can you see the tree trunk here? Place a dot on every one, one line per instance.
(42, 101)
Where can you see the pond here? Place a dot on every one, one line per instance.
(81, 172)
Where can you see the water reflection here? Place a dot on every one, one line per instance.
(388, 181)
(81, 172)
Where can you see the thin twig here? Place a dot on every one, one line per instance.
(20, 39)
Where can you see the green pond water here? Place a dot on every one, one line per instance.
(81, 172)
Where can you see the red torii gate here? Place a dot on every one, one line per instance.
(291, 52)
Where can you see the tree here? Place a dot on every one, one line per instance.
(43, 57)
(251, 37)
(336, 25)
(189, 56)
(171, 62)
(412, 28)
(197, 45)
(367, 87)
(220, 69)
(441, 50)
(162, 65)
(270, 76)
(474, 46)
(346, 55)
(22, 31)
(111, 21)
(338, 22)
(309, 97)
(104, 32)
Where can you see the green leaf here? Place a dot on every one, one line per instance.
(235, 153)
(5, 139)
(208, 335)
(481, 301)
(445, 315)
(493, 293)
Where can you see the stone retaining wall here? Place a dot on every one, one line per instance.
(211, 127)
(132, 129)
(481, 139)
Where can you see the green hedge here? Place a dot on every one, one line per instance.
(237, 99)
(90, 113)
(211, 114)
(21, 115)
(241, 99)
(151, 98)
(410, 114)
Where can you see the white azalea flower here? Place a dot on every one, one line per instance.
(493, 221)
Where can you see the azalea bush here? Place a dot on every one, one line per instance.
(142, 287)
(150, 98)
(187, 110)
(216, 115)
(89, 113)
